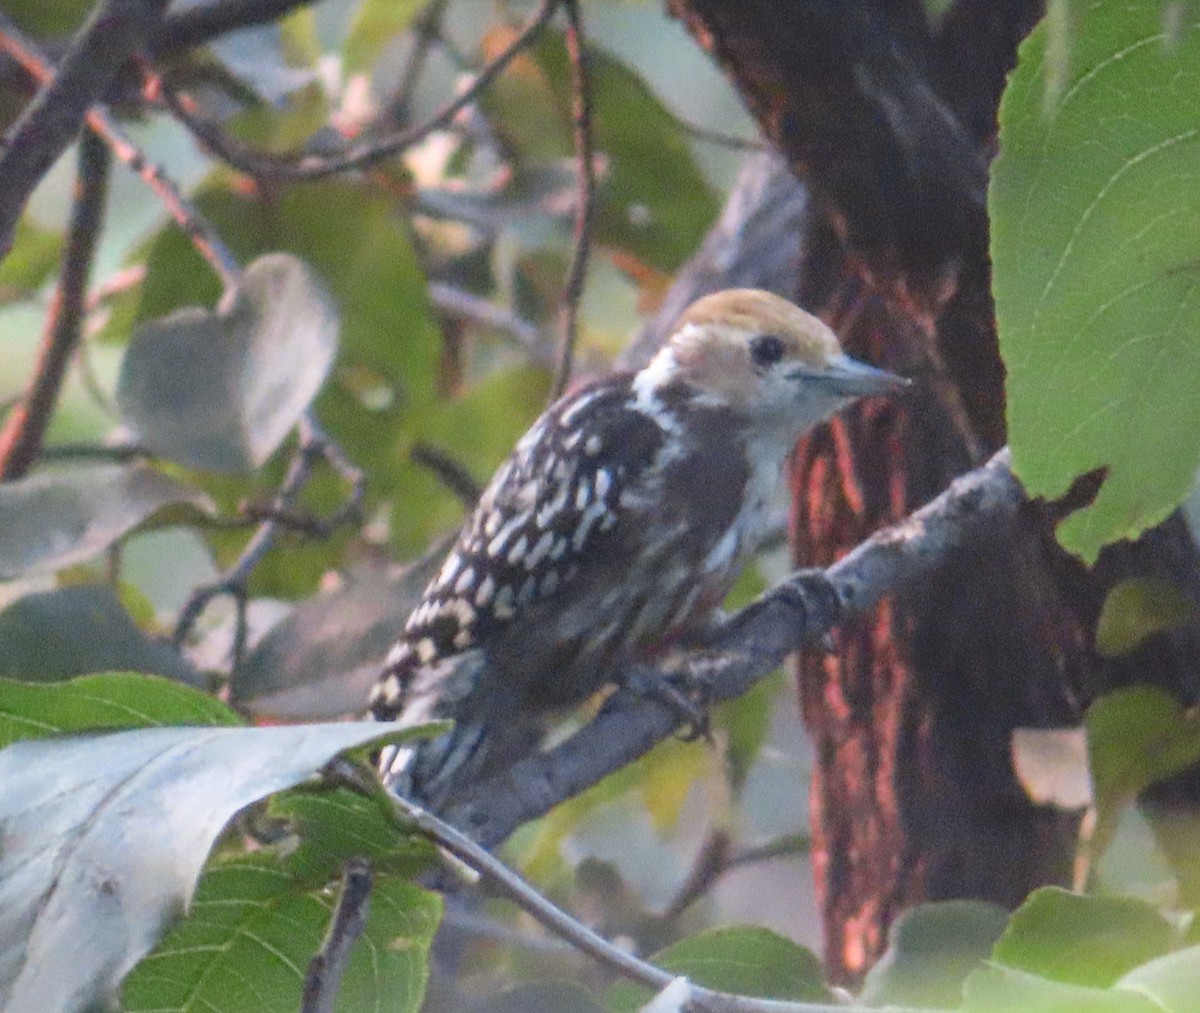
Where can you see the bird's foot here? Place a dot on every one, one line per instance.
(686, 695)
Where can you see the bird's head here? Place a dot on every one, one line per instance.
(760, 355)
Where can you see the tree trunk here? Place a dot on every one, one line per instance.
(889, 118)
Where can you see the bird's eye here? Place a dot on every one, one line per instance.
(766, 350)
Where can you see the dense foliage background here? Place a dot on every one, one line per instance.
(266, 327)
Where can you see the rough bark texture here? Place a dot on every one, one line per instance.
(889, 119)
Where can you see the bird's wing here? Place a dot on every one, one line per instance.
(547, 512)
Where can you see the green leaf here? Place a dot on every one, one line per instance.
(105, 836)
(336, 824)
(746, 961)
(385, 374)
(375, 24)
(1136, 737)
(995, 989)
(322, 660)
(654, 202)
(1136, 609)
(54, 635)
(220, 390)
(1095, 265)
(253, 929)
(1079, 940)
(1173, 981)
(103, 702)
(54, 519)
(931, 950)
(32, 259)
(51, 19)
(260, 917)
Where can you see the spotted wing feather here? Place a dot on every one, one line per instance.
(544, 518)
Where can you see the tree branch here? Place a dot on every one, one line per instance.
(325, 970)
(796, 612)
(360, 154)
(581, 115)
(315, 445)
(201, 234)
(114, 32)
(21, 437)
(507, 883)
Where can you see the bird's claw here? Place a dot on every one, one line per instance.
(685, 696)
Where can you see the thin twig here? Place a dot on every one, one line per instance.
(361, 153)
(504, 881)
(458, 303)
(717, 857)
(717, 137)
(426, 30)
(451, 473)
(201, 234)
(325, 970)
(21, 437)
(581, 117)
(798, 611)
(314, 445)
(116, 29)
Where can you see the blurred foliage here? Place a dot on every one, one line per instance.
(333, 317)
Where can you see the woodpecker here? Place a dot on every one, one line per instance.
(616, 527)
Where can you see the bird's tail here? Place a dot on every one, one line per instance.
(491, 729)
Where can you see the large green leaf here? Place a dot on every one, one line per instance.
(997, 989)
(220, 390)
(1173, 981)
(931, 950)
(1081, 940)
(54, 519)
(71, 631)
(745, 961)
(1136, 737)
(103, 702)
(1093, 202)
(375, 24)
(259, 918)
(105, 836)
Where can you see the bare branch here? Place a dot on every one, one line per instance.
(21, 437)
(798, 611)
(426, 30)
(114, 32)
(458, 303)
(315, 445)
(202, 235)
(507, 883)
(581, 115)
(325, 970)
(451, 473)
(359, 154)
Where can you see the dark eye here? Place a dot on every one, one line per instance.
(766, 350)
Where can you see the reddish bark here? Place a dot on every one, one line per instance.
(890, 121)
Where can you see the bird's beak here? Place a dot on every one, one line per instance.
(847, 377)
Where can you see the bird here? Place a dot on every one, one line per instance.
(612, 532)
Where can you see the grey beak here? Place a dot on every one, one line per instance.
(847, 377)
